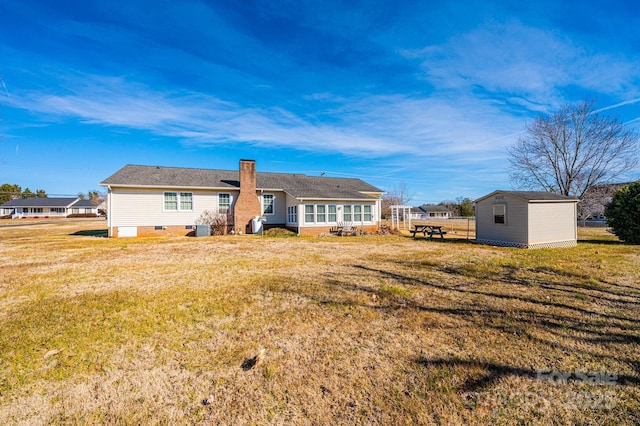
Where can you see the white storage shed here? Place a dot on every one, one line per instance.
(526, 219)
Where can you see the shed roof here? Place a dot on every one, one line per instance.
(297, 185)
(532, 196)
(40, 202)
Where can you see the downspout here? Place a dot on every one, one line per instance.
(299, 216)
(575, 221)
(109, 215)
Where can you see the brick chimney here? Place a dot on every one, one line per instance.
(247, 206)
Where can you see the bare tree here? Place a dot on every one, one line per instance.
(397, 195)
(595, 199)
(572, 150)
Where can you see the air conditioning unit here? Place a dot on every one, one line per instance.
(203, 231)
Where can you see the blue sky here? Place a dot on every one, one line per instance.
(428, 94)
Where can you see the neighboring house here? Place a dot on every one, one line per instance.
(84, 207)
(49, 207)
(151, 200)
(102, 208)
(427, 211)
(417, 213)
(526, 219)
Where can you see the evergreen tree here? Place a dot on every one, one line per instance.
(623, 213)
(27, 193)
(9, 192)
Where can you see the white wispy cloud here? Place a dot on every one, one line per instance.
(526, 61)
(371, 126)
(619, 104)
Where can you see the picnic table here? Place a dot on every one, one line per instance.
(428, 229)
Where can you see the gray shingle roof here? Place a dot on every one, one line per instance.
(430, 208)
(532, 196)
(297, 185)
(39, 202)
(85, 203)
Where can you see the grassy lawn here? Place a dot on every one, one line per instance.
(354, 330)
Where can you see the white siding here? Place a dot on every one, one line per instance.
(291, 201)
(279, 215)
(145, 207)
(515, 229)
(552, 222)
(528, 223)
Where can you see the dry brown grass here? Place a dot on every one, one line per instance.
(359, 330)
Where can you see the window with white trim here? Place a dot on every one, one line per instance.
(357, 213)
(346, 215)
(332, 215)
(321, 213)
(367, 213)
(267, 204)
(178, 201)
(309, 213)
(224, 203)
(292, 214)
(186, 201)
(500, 214)
(171, 201)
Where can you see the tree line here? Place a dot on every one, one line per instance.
(14, 191)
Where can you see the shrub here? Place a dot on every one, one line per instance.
(623, 213)
(218, 222)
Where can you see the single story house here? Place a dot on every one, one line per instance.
(526, 219)
(427, 211)
(154, 201)
(47, 207)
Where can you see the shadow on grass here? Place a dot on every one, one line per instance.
(493, 372)
(449, 240)
(509, 297)
(513, 307)
(102, 233)
(603, 242)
